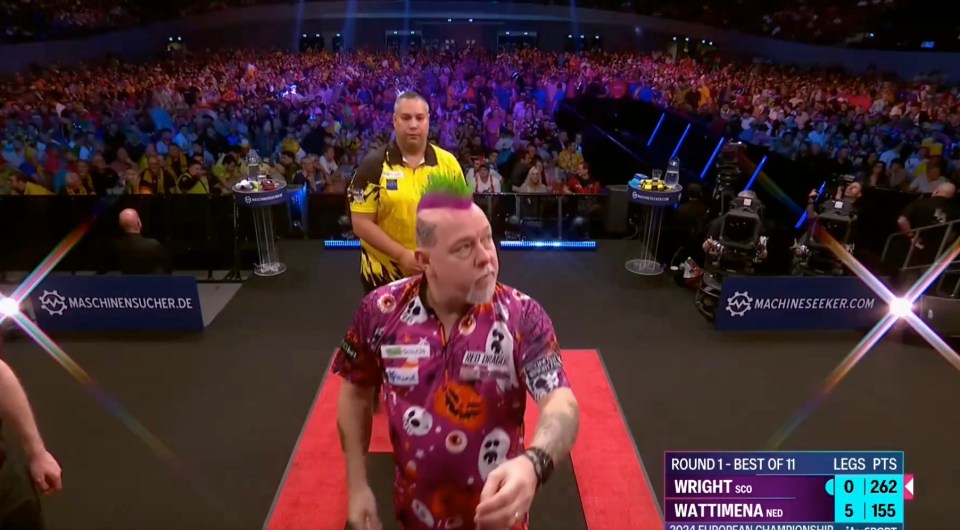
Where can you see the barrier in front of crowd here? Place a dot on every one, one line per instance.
(210, 233)
(199, 232)
(532, 220)
(68, 303)
(917, 249)
(797, 303)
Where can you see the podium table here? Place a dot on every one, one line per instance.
(261, 203)
(654, 203)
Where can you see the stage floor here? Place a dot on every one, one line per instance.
(231, 404)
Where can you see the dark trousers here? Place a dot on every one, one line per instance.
(19, 502)
(367, 289)
(25, 517)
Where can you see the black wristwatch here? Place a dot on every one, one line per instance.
(542, 464)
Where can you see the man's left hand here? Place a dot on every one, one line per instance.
(507, 494)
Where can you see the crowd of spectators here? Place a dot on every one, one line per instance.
(118, 127)
(869, 23)
(115, 128)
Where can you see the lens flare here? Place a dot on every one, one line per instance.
(881, 290)
(900, 309)
(10, 308)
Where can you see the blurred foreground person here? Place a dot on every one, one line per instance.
(20, 488)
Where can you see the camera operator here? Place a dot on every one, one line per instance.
(837, 218)
(729, 177)
(737, 238)
(735, 242)
(849, 193)
(687, 227)
(691, 215)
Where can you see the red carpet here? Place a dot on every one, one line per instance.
(613, 497)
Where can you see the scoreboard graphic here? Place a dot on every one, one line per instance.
(785, 490)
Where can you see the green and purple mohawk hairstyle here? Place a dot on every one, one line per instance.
(446, 191)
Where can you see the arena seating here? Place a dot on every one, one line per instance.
(875, 24)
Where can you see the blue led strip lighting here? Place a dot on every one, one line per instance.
(803, 217)
(341, 243)
(706, 167)
(756, 173)
(680, 143)
(578, 245)
(656, 129)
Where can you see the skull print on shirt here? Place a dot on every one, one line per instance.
(414, 313)
(417, 421)
(500, 343)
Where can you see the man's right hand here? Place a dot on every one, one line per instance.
(45, 472)
(362, 513)
(408, 264)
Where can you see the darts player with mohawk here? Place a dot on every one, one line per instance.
(455, 351)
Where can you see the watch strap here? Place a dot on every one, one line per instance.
(542, 464)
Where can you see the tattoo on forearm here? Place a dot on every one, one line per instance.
(556, 433)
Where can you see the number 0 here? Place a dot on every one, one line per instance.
(848, 486)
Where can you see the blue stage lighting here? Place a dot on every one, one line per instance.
(568, 245)
(341, 243)
(656, 129)
(756, 173)
(680, 143)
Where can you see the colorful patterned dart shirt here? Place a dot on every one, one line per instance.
(454, 398)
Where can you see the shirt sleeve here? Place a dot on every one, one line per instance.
(449, 163)
(355, 360)
(540, 362)
(456, 168)
(364, 189)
